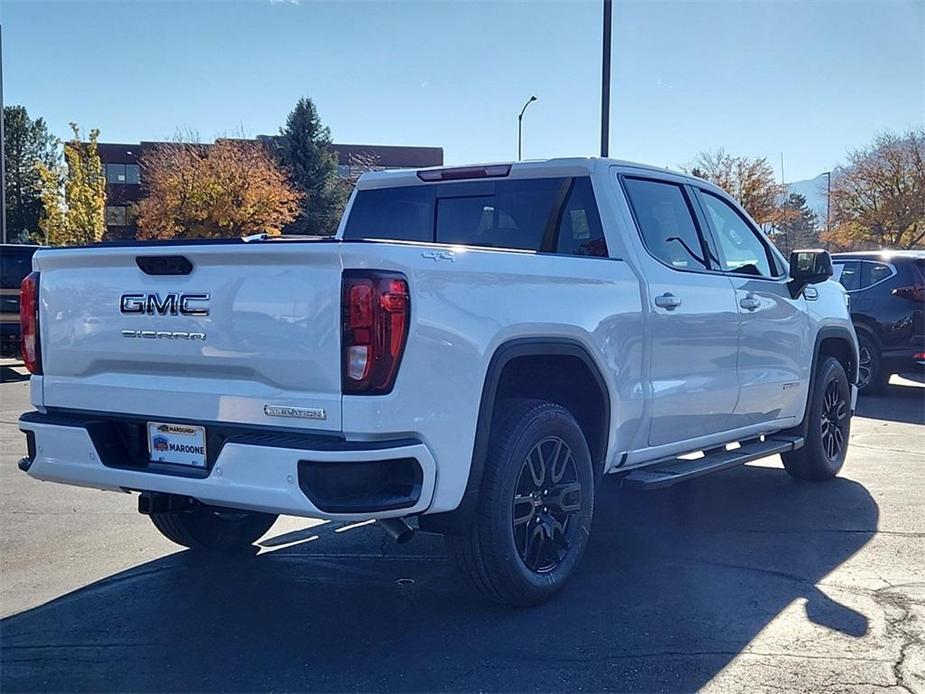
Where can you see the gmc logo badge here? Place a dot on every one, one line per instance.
(172, 304)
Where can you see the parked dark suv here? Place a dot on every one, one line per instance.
(887, 294)
(15, 264)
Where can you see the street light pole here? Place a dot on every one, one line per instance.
(605, 80)
(520, 123)
(828, 198)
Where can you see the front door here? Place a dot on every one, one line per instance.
(693, 316)
(775, 345)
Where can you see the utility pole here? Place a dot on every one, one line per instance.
(605, 80)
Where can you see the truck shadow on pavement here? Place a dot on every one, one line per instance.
(674, 585)
(9, 374)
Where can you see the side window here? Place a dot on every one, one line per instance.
(742, 248)
(580, 230)
(848, 274)
(666, 224)
(873, 272)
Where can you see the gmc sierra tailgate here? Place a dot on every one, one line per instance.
(222, 332)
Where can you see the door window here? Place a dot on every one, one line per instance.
(743, 250)
(666, 224)
(848, 274)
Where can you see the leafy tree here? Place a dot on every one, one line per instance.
(304, 148)
(878, 199)
(27, 143)
(798, 226)
(748, 180)
(232, 188)
(74, 196)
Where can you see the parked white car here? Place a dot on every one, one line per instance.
(474, 350)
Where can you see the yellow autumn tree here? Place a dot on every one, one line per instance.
(232, 188)
(74, 195)
(749, 180)
(878, 198)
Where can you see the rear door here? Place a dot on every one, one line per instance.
(246, 328)
(775, 342)
(694, 322)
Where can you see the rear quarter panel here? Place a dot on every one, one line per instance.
(465, 305)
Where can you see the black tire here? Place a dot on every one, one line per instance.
(823, 453)
(212, 529)
(872, 379)
(502, 554)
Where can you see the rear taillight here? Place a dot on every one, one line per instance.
(914, 293)
(29, 322)
(377, 309)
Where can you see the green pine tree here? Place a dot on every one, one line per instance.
(27, 145)
(798, 227)
(304, 149)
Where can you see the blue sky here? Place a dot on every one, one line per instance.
(810, 80)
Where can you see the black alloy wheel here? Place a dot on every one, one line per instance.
(547, 499)
(828, 426)
(834, 421)
(529, 529)
(865, 366)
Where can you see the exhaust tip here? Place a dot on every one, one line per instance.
(397, 529)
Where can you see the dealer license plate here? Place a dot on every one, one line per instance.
(181, 444)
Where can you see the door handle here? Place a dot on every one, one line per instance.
(667, 301)
(749, 303)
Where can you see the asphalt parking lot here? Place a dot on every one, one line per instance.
(742, 581)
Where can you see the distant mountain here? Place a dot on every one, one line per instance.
(814, 190)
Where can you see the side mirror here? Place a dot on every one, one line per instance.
(808, 267)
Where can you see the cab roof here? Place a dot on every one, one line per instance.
(564, 166)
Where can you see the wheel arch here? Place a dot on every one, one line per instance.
(501, 381)
(838, 342)
(870, 327)
(834, 341)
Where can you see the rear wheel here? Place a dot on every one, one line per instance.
(535, 507)
(220, 530)
(871, 376)
(829, 412)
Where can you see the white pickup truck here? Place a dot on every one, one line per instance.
(470, 354)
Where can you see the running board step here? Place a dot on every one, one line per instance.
(675, 470)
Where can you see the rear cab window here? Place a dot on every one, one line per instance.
(548, 215)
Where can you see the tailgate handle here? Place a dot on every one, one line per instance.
(164, 264)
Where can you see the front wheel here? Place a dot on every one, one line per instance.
(829, 413)
(217, 530)
(535, 506)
